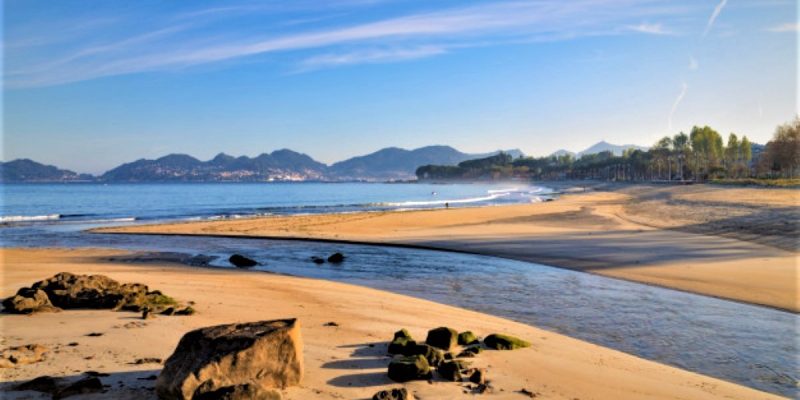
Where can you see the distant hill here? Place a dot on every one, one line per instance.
(281, 165)
(25, 170)
(562, 152)
(278, 165)
(617, 150)
(397, 163)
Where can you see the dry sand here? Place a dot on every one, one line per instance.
(733, 243)
(344, 362)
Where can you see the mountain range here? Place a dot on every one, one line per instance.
(280, 165)
(387, 164)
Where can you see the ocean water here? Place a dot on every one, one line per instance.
(749, 345)
(99, 203)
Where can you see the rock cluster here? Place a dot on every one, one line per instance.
(417, 361)
(248, 360)
(66, 291)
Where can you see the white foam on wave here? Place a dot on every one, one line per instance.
(29, 218)
(441, 202)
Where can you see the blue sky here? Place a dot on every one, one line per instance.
(90, 84)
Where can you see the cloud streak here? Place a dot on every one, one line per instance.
(180, 44)
(368, 57)
(653, 29)
(787, 27)
(678, 100)
(714, 15)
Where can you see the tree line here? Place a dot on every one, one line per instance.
(700, 155)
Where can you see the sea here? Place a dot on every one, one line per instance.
(750, 345)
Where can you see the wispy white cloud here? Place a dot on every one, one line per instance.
(693, 65)
(787, 27)
(678, 100)
(369, 57)
(714, 15)
(167, 48)
(653, 29)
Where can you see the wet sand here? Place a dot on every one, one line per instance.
(341, 362)
(728, 242)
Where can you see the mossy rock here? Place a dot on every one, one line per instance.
(450, 371)
(467, 338)
(402, 333)
(409, 368)
(470, 351)
(399, 345)
(498, 341)
(478, 376)
(432, 354)
(443, 337)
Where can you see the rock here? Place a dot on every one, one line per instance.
(526, 392)
(499, 341)
(450, 371)
(91, 384)
(266, 354)
(239, 392)
(433, 355)
(330, 324)
(27, 354)
(336, 258)
(147, 360)
(444, 338)
(470, 351)
(188, 310)
(467, 338)
(478, 376)
(94, 334)
(409, 368)
(27, 301)
(44, 384)
(66, 290)
(317, 260)
(394, 394)
(399, 345)
(403, 333)
(240, 261)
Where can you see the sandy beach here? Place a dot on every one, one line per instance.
(729, 242)
(347, 361)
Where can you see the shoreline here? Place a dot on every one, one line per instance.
(420, 247)
(611, 231)
(349, 363)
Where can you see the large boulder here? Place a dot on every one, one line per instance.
(27, 301)
(444, 338)
(409, 368)
(498, 341)
(264, 354)
(240, 261)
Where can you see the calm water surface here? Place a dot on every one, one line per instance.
(750, 345)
